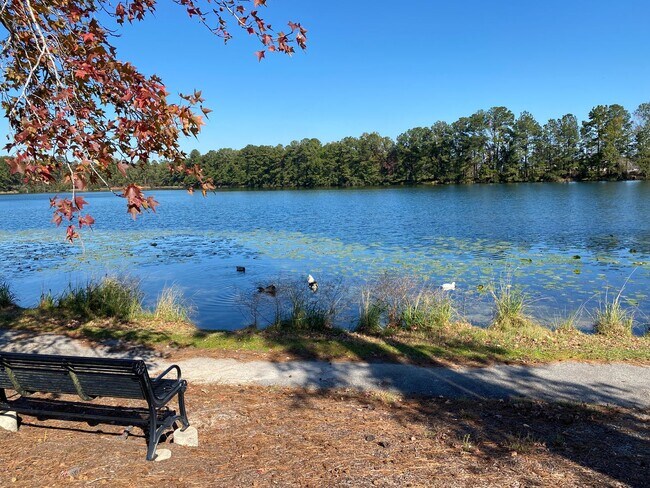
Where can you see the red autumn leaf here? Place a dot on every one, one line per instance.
(150, 204)
(121, 167)
(15, 166)
(260, 55)
(86, 220)
(206, 187)
(71, 234)
(79, 202)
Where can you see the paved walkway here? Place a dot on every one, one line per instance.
(616, 384)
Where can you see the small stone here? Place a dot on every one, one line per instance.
(370, 438)
(126, 432)
(162, 455)
(72, 472)
(383, 444)
(9, 421)
(189, 437)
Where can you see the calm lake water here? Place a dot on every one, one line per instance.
(475, 235)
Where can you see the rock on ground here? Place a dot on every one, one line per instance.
(188, 438)
(162, 455)
(9, 421)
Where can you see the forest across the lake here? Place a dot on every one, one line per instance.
(489, 146)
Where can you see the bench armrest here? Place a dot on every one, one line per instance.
(161, 399)
(166, 372)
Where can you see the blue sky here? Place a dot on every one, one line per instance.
(389, 66)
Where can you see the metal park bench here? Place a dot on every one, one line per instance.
(89, 378)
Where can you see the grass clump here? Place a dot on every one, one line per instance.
(296, 308)
(7, 296)
(523, 443)
(567, 323)
(510, 308)
(612, 320)
(398, 303)
(47, 302)
(428, 310)
(171, 306)
(110, 298)
(370, 312)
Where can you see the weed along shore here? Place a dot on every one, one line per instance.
(421, 328)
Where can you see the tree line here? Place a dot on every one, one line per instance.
(489, 146)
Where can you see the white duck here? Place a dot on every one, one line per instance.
(448, 286)
(312, 283)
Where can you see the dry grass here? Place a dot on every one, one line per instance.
(172, 306)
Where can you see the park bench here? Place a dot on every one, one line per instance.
(89, 378)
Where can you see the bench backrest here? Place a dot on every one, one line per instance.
(84, 376)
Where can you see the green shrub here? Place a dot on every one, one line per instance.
(109, 298)
(395, 302)
(7, 297)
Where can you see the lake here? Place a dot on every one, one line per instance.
(566, 245)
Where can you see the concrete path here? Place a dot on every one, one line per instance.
(615, 384)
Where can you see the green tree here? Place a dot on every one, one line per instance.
(607, 140)
(558, 151)
(500, 121)
(526, 136)
(642, 138)
(413, 150)
(442, 153)
(304, 165)
(469, 147)
(373, 153)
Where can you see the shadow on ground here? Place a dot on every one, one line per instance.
(30, 331)
(613, 442)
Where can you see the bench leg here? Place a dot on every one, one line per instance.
(181, 408)
(152, 436)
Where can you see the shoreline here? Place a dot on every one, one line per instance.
(317, 188)
(455, 344)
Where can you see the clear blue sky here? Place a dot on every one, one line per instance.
(389, 66)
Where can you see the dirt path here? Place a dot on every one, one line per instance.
(615, 384)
